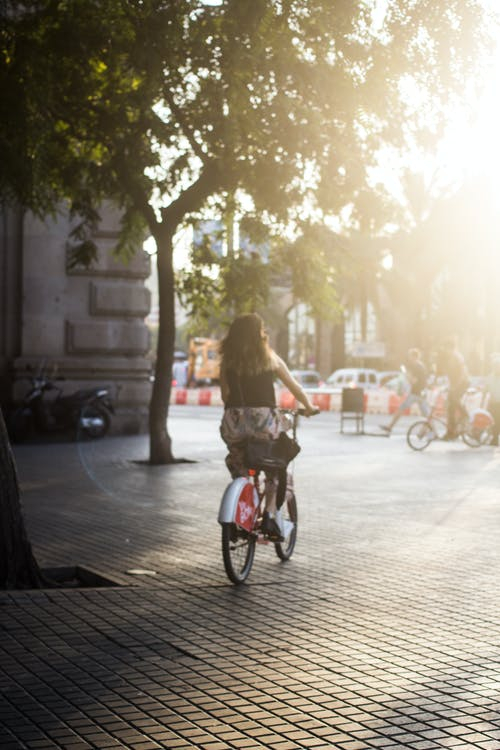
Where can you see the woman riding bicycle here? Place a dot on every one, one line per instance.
(248, 369)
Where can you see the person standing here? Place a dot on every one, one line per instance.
(492, 389)
(179, 372)
(453, 365)
(247, 372)
(416, 374)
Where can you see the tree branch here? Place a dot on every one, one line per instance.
(193, 197)
(178, 114)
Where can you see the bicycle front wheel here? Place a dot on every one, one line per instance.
(420, 434)
(289, 519)
(238, 550)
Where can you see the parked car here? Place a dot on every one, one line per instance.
(352, 377)
(307, 378)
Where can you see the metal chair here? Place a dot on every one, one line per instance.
(353, 408)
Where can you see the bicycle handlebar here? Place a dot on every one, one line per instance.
(300, 412)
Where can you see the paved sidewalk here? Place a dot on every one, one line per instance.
(382, 631)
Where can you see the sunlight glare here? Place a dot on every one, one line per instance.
(472, 149)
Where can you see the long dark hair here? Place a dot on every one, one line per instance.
(245, 348)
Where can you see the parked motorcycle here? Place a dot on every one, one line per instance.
(85, 413)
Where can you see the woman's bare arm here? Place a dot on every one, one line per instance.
(294, 387)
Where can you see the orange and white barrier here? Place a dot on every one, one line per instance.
(377, 400)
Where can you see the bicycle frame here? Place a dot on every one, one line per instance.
(243, 496)
(465, 408)
(473, 424)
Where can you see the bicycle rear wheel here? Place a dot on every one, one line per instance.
(289, 519)
(238, 550)
(474, 437)
(420, 434)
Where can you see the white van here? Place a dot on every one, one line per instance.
(352, 377)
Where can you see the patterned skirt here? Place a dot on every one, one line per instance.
(241, 423)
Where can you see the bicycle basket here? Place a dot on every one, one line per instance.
(260, 452)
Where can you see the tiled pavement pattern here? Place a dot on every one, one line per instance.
(383, 631)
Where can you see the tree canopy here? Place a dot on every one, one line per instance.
(172, 107)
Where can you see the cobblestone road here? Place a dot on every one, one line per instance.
(382, 631)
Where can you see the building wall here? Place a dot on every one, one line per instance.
(86, 325)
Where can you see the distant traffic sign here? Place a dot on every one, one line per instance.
(366, 349)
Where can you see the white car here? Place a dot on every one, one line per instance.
(352, 377)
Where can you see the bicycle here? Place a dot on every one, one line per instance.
(240, 515)
(474, 424)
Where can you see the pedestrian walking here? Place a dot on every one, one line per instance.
(416, 374)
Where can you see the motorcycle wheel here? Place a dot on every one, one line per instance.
(20, 425)
(93, 422)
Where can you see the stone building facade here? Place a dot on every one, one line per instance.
(86, 325)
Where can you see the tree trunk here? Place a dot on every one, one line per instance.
(160, 440)
(18, 567)
(364, 311)
(160, 450)
(338, 346)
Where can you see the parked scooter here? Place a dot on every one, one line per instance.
(85, 413)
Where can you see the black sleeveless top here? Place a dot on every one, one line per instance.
(250, 390)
